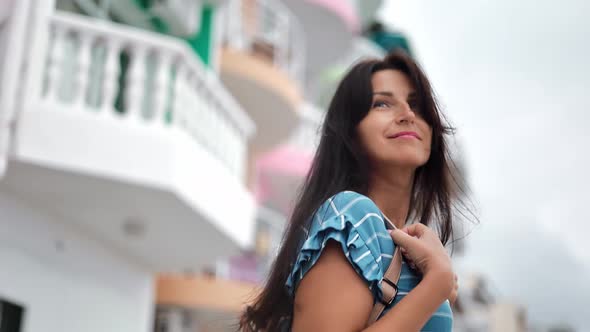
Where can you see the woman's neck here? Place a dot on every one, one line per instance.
(392, 193)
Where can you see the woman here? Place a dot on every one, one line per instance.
(382, 157)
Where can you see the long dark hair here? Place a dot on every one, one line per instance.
(340, 164)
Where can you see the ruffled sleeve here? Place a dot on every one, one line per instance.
(355, 222)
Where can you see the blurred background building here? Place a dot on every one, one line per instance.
(151, 151)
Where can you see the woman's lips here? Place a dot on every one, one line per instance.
(405, 134)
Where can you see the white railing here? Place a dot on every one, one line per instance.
(266, 28)
(133, 75)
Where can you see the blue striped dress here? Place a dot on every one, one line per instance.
(357, 224)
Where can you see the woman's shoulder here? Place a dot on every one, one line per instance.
(349, 204)
(356, 223)
(350, 212)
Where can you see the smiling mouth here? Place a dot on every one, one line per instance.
(405, 134)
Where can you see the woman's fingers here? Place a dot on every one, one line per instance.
(408, 260)
(425, 250)
(401, 238)
(415, 229)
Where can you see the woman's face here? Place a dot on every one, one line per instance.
(394, 133)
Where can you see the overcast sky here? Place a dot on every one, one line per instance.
(514, 77)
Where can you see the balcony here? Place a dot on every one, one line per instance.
(212, 302)
(262, 64)
(200, 303)
(126, 134)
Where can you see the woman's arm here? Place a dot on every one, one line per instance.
(333, 297)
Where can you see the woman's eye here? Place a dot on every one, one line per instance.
(413, 104)
(380, 104)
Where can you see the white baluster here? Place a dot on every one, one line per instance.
(95, 72)
(161, 87)
(55, 70)
(68, 70)
(110, 77)
(183, 81)
(198, 109)
(82, 70)
(135, 82)
(171, 93)
(190, 101)
(178, 99)
(192, 110)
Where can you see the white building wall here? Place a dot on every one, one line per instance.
(66, 281)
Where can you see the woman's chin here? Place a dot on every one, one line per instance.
(407, 161)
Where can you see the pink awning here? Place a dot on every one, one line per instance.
(280, 170)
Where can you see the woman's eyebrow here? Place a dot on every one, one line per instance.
(383, 93)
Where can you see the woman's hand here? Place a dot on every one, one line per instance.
(454, 293)
(422, 247)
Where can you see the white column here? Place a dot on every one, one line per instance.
(195, 113)
(135, 82)
(82, 71)
(179, 101)
(110, 77)
(196, 109)
(55, 64)
(161, 87)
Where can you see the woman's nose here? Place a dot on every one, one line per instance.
(405, 114)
